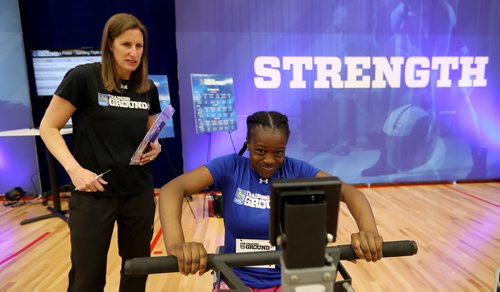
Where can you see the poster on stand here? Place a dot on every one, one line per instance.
(213, 101)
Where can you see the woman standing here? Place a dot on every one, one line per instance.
(112, 105)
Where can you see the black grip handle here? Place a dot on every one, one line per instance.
(168, 264)
(389, 249)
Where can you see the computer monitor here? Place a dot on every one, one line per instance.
(304, 191)
(50, 66)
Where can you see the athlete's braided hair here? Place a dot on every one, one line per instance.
(271, 119)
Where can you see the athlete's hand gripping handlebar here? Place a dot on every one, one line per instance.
(168, 264)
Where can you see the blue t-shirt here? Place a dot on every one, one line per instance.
(246, 204)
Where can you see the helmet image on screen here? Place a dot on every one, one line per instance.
(409, 144)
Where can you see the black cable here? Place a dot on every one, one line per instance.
(231, 137)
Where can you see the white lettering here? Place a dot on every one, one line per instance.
(297, 65)
(443, 65)
(478, 72)
(383, 69)
(366, 71)
(254, 200)
(328, 68)
(355, 67)
(125, 102)
(268, 69)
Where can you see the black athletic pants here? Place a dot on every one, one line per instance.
(91, 223)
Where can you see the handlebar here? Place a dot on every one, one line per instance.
(168, 264)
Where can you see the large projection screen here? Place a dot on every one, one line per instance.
(376, 91)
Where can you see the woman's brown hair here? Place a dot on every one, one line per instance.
(115, 26)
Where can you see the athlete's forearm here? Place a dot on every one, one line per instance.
(170, 207)
(359, 207)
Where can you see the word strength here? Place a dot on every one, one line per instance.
(369, 72)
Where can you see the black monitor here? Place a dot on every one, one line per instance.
(50, 66)
(304, 191)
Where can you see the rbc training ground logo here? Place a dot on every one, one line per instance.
(104, 99)
(253, 246)
(246, 198)
(240, 197)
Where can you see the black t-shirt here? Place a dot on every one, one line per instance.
(108, 127)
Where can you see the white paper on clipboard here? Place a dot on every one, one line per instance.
(153, 133)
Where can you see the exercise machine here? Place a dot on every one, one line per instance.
(307, 263)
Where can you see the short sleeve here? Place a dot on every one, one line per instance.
(73, 87)
(297, 168)
(155, 99)
(220, 167)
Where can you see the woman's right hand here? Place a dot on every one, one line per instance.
(85, 180)
(191, 257)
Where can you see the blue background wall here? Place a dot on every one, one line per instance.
(18, 158)
(363, 135)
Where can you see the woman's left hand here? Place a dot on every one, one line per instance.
(367, 245)
(154, 151)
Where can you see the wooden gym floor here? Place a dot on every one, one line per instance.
(456, 227)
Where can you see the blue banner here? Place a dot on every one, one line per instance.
(376, 91)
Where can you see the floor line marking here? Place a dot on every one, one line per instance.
(155, 240)
(24, 248)
(473, 196)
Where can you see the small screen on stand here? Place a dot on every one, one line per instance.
(304, 191)
(50, 66)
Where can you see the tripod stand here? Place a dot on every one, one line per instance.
(56, 210)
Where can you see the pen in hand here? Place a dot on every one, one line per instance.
(102, 174)
(98, 176)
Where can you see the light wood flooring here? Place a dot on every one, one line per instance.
(456, 227)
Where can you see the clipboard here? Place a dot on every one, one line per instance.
(153, 133)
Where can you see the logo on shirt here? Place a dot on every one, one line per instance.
(254, 246)
(246, 198)
(104, 99)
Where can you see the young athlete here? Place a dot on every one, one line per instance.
(238, 177)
